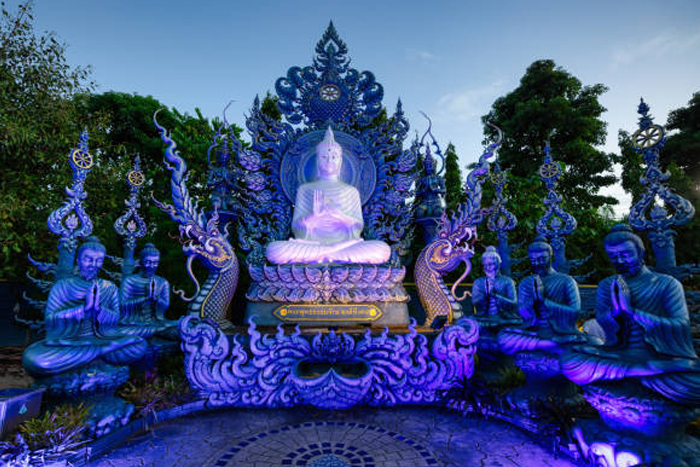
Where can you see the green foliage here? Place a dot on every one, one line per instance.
(61, 429)
(39, 98)
(269, 107)
(454, 189)
(552, 105)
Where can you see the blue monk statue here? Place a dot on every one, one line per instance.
(81, 322)
(549, 304)
(144, 299)
(647, 330)
(493, 296)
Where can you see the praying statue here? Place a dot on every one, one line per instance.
(494, 296)
(647, 329)
(548, 302)
(81, 322)
(327, 221)
(144, 298)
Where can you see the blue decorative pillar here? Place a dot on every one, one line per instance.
(556, 224)
(658, 197)
(131, 225)
(430, 191)
(70, 221)
(499, 219)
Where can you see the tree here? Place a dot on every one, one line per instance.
(683, 148)
(269, 107)
(454, 190)
(552, 105)
(41, 121)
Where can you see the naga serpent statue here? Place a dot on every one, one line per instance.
(201, 239)
(454, 244)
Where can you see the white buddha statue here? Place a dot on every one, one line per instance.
(327, 221)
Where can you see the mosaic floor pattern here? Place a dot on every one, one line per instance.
(397, 437)
(344, 445)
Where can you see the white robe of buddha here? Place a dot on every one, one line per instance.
(327, 221)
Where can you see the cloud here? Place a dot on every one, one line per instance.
(667, 43)
(464, 105)
(420, 55)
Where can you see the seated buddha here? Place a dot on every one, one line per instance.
(81, 319)
(327, 221)
(493, 296)
(647, 329)
(144, 298)
(548, 302)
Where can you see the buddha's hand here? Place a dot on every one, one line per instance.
(620, 295)
(319, 204)
(538, 295)
(92, 302)
(489, 286)
(152, 289)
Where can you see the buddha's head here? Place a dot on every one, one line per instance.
(329, 157)
(91, 255)
(540, 254)
(625, 250)
(149, 259)
(491, 261)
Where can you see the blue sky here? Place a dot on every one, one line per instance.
(450, 59)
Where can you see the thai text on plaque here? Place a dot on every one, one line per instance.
(328, 312)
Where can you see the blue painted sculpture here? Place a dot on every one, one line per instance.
(70, 222)
(131, 225)
(499, 219)
(430, 189)
(454, 245)
(648, 340)
(549, 304)
(329, 371)
(556, 224)
(84, 355)
(645, 380)
(81, 323)
(648, 214)
(201, 239)
(494, 296)
(495, 302)
(327, 220)
(328, 268)
(283, 158)
(144, 297)
(223, 179)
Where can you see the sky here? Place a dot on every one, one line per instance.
(449, 59)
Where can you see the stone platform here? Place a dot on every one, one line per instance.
(410, 437)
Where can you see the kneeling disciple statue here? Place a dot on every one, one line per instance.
(144, 299)
(81, 322)
(327, 221)
(647, 336)
(549, 304)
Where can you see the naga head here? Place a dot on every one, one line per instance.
(456, 236)
(200, 236)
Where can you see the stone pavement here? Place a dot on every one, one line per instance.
(364, 437)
